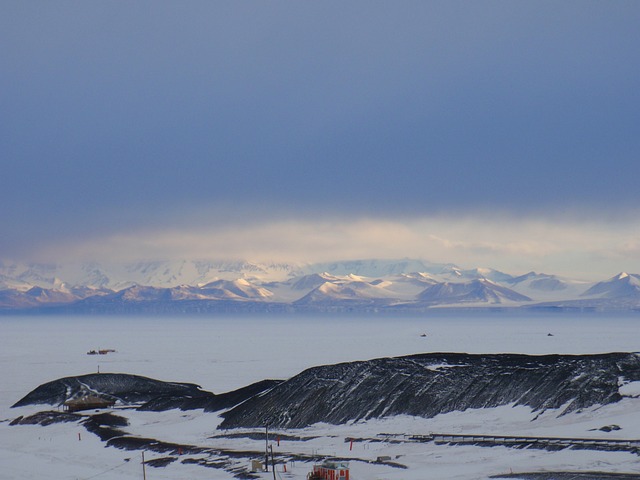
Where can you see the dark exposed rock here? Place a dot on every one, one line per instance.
(109, 419)
(115, 386)
(429, 384)
(609, 428)
(47, 418)
(154, 395)
(421, 385)
(104, 425)
(260, 435)
(208, 401)
(161, 462)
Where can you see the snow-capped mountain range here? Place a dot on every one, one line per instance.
(359, 285)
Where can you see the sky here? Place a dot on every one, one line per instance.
(495, 133)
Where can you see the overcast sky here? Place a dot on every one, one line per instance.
(502, 134)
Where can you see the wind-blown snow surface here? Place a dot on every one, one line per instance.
(222, 354)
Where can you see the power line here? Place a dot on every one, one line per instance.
(106, 471)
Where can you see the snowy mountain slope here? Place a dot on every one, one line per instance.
(406, 283)
(234, 289)
(453, 273)
(13, 283)
(377, 268)
(488, 273)
(34, 297)
(311, 281)
(623, 285)
(322, 287)
(405, 286)
(25, 276)
(166, 274)
(151, 273)
(354, 288)
(539, 281)
(359, 292)
(42, 297)
(476, 291)
(543, 287)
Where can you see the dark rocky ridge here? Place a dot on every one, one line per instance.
(422, 385)
(134, 389)
(429, 384)
(115, 386)
(209, 401)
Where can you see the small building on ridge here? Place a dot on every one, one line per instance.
(87, 402)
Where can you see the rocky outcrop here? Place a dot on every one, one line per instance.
(208, 401)
(146, 393)
(114, 386)
(429, 384)
(422, 385)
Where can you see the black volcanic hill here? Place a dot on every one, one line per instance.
(134, 389)
(423, 385)
(429, 384)
(116, 386)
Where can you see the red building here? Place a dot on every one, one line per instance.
(330, 471)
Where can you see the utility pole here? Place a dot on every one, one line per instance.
(273, 464)
(266, 448)
(144, 472)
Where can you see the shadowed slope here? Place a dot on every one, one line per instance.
(429, 384)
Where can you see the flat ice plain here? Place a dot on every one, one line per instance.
(225, 353)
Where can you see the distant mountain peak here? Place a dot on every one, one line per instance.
(342, 286)
(623, 285)
(480, 290)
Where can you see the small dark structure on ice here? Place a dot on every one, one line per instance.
(87, 403)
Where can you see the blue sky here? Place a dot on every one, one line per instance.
(496, 133)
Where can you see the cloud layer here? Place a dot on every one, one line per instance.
(142, 117)
(587, 250)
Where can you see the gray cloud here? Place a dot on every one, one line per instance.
(119, 116)
(586, 249)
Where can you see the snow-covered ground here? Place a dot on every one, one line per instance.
(222, 354)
